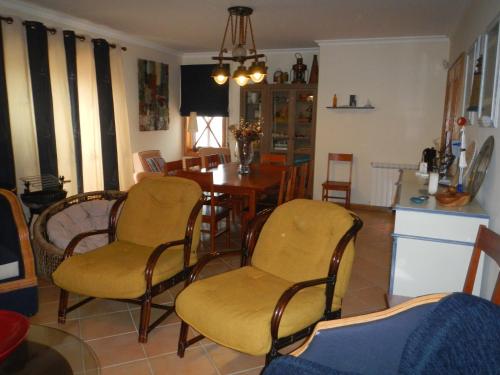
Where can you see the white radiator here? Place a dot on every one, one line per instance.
(384, 182)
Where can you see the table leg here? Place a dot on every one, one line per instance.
(252, 204)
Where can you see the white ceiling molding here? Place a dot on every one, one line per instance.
(23, 10)
(404, 39)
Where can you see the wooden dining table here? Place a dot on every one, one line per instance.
(259, 180)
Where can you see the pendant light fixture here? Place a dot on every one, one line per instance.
(239, 22)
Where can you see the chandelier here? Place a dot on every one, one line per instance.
(240, 23)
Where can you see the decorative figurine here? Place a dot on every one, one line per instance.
(462, 163)
(299, 70)
(352, 101)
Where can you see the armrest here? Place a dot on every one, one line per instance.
(207, 259)
(252, 234)
(153, 259)
(72, 244)
(288, 295)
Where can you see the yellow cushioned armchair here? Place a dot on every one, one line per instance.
(296, 265)
(152, 246)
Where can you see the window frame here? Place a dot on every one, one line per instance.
(187, 142)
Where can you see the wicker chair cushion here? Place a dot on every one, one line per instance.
(79, 218)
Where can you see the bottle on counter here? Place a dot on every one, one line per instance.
(334, 101)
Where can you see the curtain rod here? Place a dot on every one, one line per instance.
(53, 31)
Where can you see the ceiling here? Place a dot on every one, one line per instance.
(198, 25)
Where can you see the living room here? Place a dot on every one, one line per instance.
(394, 56)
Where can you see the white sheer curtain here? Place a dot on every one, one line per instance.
(124, 150)
(89, 117)
(20, 102)
(62, 112)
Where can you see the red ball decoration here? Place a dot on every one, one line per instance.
(461, 121)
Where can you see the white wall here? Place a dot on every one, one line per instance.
(276, 60)
(403, 78)
(167, 141)
(474, 22)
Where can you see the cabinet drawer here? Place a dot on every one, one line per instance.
(439, 226)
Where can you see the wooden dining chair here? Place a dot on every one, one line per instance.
(334, 185)
(276, 159)
(172, 166)
(216, 208)
(487, 241)
(301, 181)
(286, 191)
(211, 161)
(193, 163)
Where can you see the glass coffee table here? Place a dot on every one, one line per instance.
(49, 350)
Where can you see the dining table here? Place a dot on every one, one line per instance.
(260, 179)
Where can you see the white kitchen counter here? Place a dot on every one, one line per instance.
(432, 244)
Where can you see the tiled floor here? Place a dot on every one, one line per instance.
(110, 328)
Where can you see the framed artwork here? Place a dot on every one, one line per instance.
(153, 96)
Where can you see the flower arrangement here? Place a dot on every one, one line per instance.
(248, 130)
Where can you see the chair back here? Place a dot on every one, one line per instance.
(305, 239)
(334, 157)
(192, 163)
(277, 159)
(156, 211)
(489, 242)
(211, 161)
(148, 161)
(223, 152)
(301, 180)
(172, 166)
(287, 182)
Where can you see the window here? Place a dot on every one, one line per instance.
(211, 133)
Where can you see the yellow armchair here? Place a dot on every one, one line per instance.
(153, 244)
(296, 264)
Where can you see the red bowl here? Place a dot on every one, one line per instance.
(13, 330)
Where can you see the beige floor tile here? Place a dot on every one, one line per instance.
(117, 349)
(47, 313)
(155, 314)
(229, 361)
(71, 326)
(195, 362)
(163, 340)
(163, 298)
(134, 368)
(106, 325)
(100, 306)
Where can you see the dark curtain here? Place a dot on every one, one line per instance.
(7, 167)
(106, 114)
(199, 92)
(36, 35)
(70, 49)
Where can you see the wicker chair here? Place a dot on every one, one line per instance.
(48, 256)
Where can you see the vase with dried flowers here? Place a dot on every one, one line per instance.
(245, 133)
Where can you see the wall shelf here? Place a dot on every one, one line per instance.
(348, 107)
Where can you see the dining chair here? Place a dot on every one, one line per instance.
(193, 163)
(215, 210)
(335, 185)
(172, 166)
(223, 152)
(286, 191)
(487, 241)
(276, 159)
(301, 180)
(153, 244)
(211, 161)
(295, 269)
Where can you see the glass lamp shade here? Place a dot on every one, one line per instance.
(220, 75)
(257, 71)
(240, 76)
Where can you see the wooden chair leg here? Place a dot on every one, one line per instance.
(181, 347)
(228, 234)
(63, 305)
(213, 232)
(323, 195)
(145, 317)
(348, 199)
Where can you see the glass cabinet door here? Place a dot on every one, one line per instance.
(280, 122)
(253, 105)
(303, 130)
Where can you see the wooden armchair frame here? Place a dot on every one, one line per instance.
(151, 290)
(250, 240)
